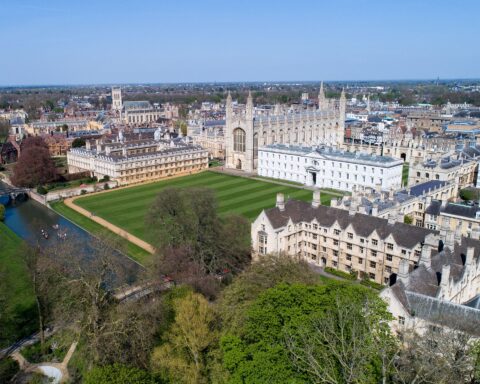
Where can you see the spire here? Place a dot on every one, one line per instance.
(342, 95)
(321, 98)
(249, 106)
(229, 98)
(228, 107)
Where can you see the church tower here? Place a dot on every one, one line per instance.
(116, 99)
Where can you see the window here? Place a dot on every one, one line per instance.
(389, 246)
(239, 140)
(374, 242)
(418, 253)
(336, 232)
(350, 235)
(374, 253)
(335, 253)
(404, 251)
(335, 242)
(389, 257)
(360, 260)
(388, 269)
(401, 320)
(362, 240)
(349, 257)
(315, 226)
(373, 264)
(349, 246)
(371, 276)
(334, 263)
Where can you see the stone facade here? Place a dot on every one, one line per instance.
(442, 291)
(332, 237)
(326, 167)
(245, 130)
(137, 161)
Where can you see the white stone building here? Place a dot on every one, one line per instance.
(325, 167)
(246, 130)
(137, 160)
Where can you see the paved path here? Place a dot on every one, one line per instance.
(70, 202)
(254, 176)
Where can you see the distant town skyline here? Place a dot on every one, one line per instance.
(118, 42)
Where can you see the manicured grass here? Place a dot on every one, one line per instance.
(20, 302)
(134, 251)
(405, 173)
(127, 207)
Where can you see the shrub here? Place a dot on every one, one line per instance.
(344, 275)
(42, 190)
(83, 192)
(469, 194)
(106, 178)
(2, 212)
(106, 186)
(372, 284)
(8, 369)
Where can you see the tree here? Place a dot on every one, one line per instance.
(2, 212)
(4, 128)
(35, 165)
(278, 321)
(437, 356)
(407, 219)
(267, 272)
(188, 219)
(183, 355)
(117, 374)
(78, 142)
(44, 286)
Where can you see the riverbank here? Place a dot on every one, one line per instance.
(132, 250)
(19, 308)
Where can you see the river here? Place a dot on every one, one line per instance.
(28, 218)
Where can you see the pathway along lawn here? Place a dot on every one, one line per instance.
(126, 208)
(19, 309)
(133, 251)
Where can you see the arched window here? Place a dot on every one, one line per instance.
(239, 140)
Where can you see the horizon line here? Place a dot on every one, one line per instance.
(236, 82)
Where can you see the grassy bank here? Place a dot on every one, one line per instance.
(19, 310)
(135, 252)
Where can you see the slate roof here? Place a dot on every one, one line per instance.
(462, 210)
(419, 293)
(137, 105)
(459, 317)
(405, 235)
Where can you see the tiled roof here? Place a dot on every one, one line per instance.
(405, 235)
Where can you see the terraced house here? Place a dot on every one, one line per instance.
(346, 240)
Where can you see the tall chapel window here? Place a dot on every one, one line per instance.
(239, 140)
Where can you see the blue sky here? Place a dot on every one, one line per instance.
(103, 41)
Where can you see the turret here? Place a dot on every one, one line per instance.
(249, 106)
(321, 99)
(228, 107)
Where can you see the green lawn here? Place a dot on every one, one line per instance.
(20, 309)
(126, 208)
(134, 251)
(405, 174)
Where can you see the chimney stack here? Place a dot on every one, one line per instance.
(403, 269)
(445, 276)
(391, 219)
(317, 201)
(470, 255)
(280, 202)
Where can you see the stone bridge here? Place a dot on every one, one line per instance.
(12, 192)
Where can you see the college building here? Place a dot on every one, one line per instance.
(138, 160)
(349, 241)
(248, 128)
(326, 167)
